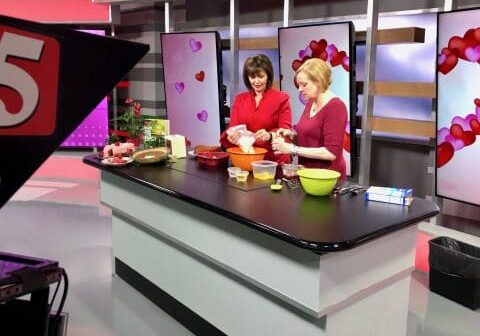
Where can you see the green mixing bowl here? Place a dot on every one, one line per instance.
(318, 182)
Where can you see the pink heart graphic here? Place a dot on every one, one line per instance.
(346, 63)
(441, 58)
(442, 134)
(195, 45)
(305, 52)
(472, 54)
(457, 143)
(202, 116)
(303, 99)
(331, 51)
(462, 122)
(179, 86)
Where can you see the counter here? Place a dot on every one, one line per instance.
(222, 257)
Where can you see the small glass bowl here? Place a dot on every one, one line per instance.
(242, 176)
(233, 171)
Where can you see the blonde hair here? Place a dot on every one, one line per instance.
(318, 71)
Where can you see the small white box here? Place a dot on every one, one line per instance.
(176, 145)
(390, 195)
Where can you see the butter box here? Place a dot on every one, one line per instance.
(390, 195)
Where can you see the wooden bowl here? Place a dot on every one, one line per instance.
(244, 160)
(149, 156)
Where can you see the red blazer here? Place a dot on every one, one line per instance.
(273, 112)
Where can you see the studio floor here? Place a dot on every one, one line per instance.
(57, 215)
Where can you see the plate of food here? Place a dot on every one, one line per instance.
(153, 155)
(117, 161)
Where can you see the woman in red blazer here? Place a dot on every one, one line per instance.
(263, 109)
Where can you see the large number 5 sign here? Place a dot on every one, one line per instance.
(16, 78)
(29, 64)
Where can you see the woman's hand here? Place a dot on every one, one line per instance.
(233, 138)
(283, 132)
(262, 135)
(279, 146)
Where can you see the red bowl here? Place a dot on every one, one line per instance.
(212, 159)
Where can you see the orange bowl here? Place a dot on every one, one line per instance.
(244, 160)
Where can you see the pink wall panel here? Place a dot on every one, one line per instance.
(75, 11)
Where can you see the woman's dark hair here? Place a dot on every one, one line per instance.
(254, 65)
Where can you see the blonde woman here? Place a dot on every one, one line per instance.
(320, 130)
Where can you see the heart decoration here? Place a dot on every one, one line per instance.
(450, 62)
(202, 116)
(338, 59)
(442, 134)
(346, 63)
(444, 153)
(180, 86)
(200, 76)
(195, 45)
(456, 131)
(469, 38)
(296, 64)
(468, 138)
(476, 101)
(319, 46)
(456, 143)
(472, 54)
(441, 58)
(331, 51)
(304, 52)
(465, 125)
(457, 46)
(475, 126)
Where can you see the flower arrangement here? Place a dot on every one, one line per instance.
(130, 119)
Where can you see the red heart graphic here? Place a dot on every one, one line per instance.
(475, 126)
(457, 45)
(477, 102)
(469, 38)
(457, 131)
(346, 142)
(337, 60)
(468, 138)
(446, 51)
(320, 54)
(200, 76)
(296, 64)
(477, 35)
(444, 153)
(318, 46)
(448, 65)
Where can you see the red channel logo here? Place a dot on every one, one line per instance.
(29, 64)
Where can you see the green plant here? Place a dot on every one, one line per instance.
(130, 119)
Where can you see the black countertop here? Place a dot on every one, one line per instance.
(321, 224)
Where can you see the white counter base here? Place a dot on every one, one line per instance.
(245, 282)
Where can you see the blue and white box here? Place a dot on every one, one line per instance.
(390, 195)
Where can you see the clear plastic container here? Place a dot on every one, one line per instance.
(242, 176)
(264, 169)
(233, 171)
(289, 170)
